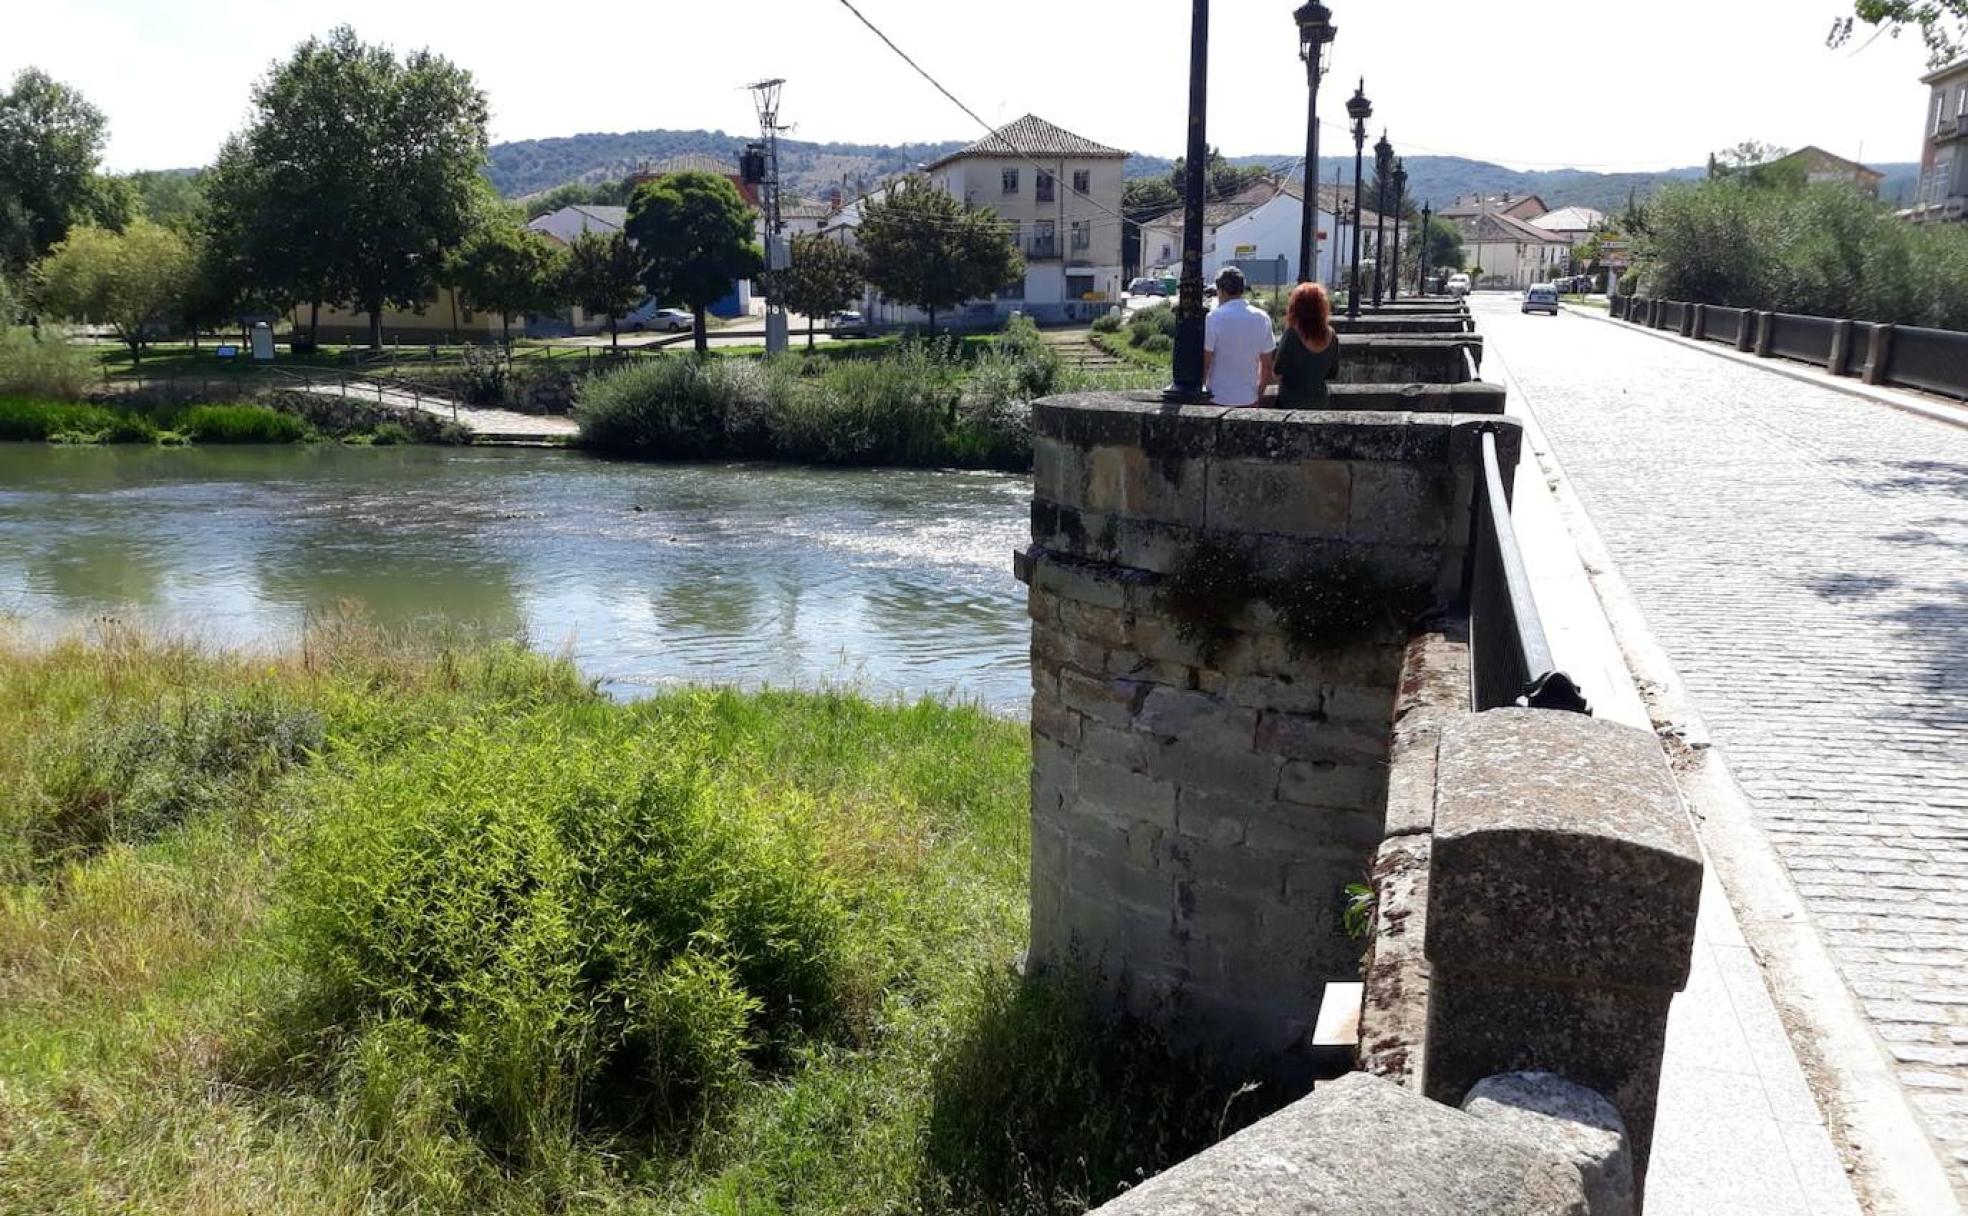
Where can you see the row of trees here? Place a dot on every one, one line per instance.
(357, 180)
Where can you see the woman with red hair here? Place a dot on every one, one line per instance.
(1308, 354)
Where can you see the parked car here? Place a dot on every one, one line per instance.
(652, 316)
(1147, 287)
(1541, 297)
(1458, 284)
(849, 324)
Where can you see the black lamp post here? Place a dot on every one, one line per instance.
(1188, 384)
(1400, 194)
(1421, 263)
(1315, 34)
(1383, 169)
(1359, 109)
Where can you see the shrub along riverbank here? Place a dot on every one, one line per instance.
(381, 927)
(84, 422)
(931, 403)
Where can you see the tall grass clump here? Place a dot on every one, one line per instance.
(564, 926)
(25, 419)
(239, 424)
(921, 404)
(43, 367)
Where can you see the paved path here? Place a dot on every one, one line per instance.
(1802, 557)
(491, 424)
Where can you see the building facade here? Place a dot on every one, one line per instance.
(1942, 192)
(1059, 197)
(1508, 252)
(1260, 226)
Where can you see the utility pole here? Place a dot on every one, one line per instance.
(766, 95)
(1188, 386)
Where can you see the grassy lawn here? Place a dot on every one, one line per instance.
(400, 925)
(1598, 302)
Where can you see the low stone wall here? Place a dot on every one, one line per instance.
(1204, 790)
(1434, 359)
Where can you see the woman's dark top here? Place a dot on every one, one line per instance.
(1302, 372)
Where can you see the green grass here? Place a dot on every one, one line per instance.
(394, 925)
(31, 420)
(1598, 302)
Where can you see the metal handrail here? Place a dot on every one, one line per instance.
(1511, 663)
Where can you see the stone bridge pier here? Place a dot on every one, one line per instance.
(1220, 603)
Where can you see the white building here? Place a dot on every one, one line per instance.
(1510, 252)
(1059, 196)
(1261, 225)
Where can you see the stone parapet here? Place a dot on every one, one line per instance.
(1564, 881)
(1364, 1146)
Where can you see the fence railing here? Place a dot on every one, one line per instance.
(1510, 660)
(1904, 356)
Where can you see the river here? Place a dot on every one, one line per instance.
(893, 582)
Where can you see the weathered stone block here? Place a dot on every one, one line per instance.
(1314, 737)
(1365, 1147)
(1562, 852)
(1196, 718)
(1394, 1012)
(1202, 766)
(1123, 793)
(1310, 498)
(1325, 783)
(1111, 700)
(1400, 504)
(1547, 1112)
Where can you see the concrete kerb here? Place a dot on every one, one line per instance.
(1934, 408)
(1893, 1164)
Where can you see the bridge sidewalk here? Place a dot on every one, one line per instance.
(1739, 1130)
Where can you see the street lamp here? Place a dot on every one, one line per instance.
(1383, 169)
(1421, 262)
(1400, 194)
(1315, 35)
(1188, 384)
(1359, 109)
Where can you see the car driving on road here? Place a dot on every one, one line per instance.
(1458, 285)
(1541, 297)
(651, 316)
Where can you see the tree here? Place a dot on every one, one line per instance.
(50, 139)
(357, 174)
(695, 233)
(1444, 247)
(1943, 25)
(925, 248)
(604, 276)
(826, 276)
(175, 200)
(134, 281)
(1225, 180)
(506, 269)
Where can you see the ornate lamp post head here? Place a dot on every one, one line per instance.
(1384, 157)
(1400, 179)
(1315, 34)
(1359, 109)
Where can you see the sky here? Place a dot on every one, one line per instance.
(1648, 86)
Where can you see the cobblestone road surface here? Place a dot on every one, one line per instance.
(1802, 557)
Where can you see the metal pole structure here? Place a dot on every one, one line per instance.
(1421, 262)
(1315, 33)
(1400, 193)
(1188, 386)
(1339, 230)
(1360, 110)
(1383, 167)
(766, 94)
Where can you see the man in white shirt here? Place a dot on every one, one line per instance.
(1237, 345)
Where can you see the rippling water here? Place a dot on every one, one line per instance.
(896, 582)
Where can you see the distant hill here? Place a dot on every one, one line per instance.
(529, 166)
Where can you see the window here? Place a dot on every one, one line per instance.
(1014, 290)
(1940, 108)
(1081, 237)
(1961, 103)
(1042, 187)
(1011, 181)
(1043, 241)
(1082, 179)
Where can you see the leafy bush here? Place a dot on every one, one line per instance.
(240, 424)
(1158, 344)
(562, 925)
(486, 375)
(31, 367)
(1158, 319)
(390, 433)
(1108, 323)
(1824, 250)
(30, 420)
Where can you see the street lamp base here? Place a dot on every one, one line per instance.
(1175, 394)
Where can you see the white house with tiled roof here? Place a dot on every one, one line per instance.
(1059, 195)
(1261, 225)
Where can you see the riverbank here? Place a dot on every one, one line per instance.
(33, 420)
(381, 925)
